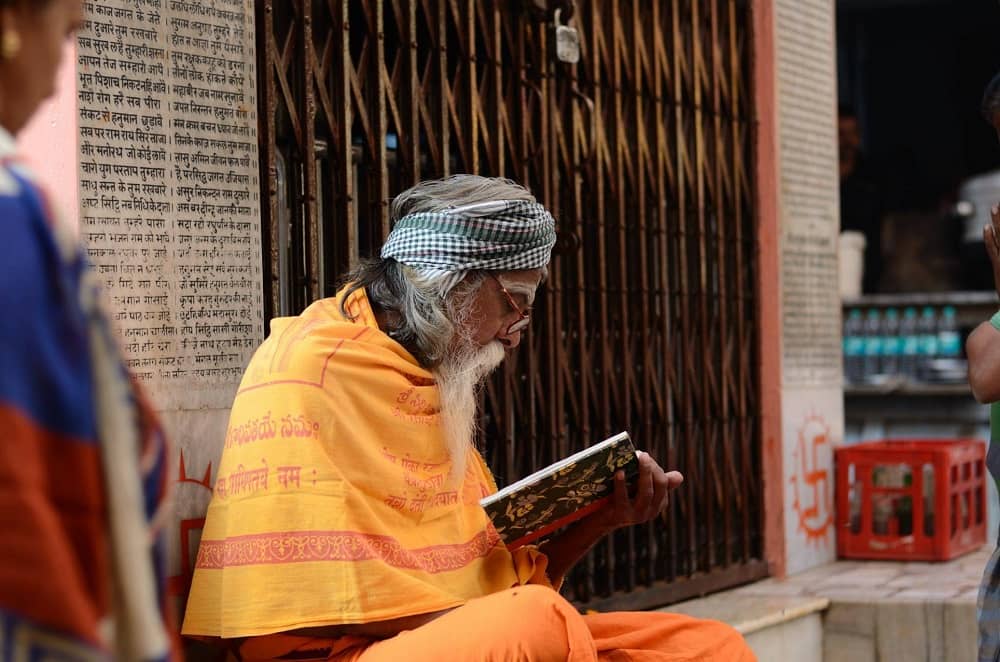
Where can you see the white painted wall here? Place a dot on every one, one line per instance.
(812, 400)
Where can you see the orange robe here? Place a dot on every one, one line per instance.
(335, 504)
(526, 624)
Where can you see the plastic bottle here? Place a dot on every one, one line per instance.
(910, 341)
(927, 329)
(873, 345)
(854, 347)
(892, 344)
(949, 342)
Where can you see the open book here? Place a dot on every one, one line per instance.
(561, 493)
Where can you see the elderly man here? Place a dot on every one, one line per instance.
(345, 522)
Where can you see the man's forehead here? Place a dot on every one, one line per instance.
(523, 277)
(524, 282)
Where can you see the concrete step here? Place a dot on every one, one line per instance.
(891, 611)
(873, 611)
(900, 630)
(777, 628)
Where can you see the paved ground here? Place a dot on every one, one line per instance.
(874, 581)
(857, 611)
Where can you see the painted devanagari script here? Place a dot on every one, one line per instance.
(169, 187)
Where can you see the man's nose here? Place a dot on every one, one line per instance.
(509, 341)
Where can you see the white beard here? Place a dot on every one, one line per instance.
(458, 378)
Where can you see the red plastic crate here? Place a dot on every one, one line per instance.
(912, 500)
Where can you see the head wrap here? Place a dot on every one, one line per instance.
(501, 235)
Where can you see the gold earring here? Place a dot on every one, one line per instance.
(10, 44)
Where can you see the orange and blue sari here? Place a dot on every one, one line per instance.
(83, 464)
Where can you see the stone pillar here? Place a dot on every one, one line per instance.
(168, 176)
(802, 395)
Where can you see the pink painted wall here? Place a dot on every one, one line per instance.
(49, 142)
(769, 280)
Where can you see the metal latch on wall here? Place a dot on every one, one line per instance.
(567, 41)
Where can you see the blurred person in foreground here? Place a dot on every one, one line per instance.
(983, 350)
(82, 465)
(345, 523)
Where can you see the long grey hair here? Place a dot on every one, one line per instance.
(418, 314)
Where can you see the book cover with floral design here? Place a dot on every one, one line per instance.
(562, 492)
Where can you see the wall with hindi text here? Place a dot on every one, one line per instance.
(166, 105)
(812, 418)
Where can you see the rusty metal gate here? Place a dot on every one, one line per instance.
(643, 153)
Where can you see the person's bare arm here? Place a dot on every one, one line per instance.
(983, 350)
(372, 630)
(650, 500)
(983, 345)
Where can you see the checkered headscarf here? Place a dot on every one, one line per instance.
(502, 235)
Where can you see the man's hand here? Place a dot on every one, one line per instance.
(651, 496)
(653, 488)
(991, 237)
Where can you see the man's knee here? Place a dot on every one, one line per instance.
(533, 604)
(544, 625)
(536, 596)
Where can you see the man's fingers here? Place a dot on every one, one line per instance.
(674, 479)
(621, 493)
(990, 241)
(995, 224)
(659, 501)
(646, 489)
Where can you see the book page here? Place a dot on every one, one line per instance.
(553, 468)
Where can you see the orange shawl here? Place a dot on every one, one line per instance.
(332, 503)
